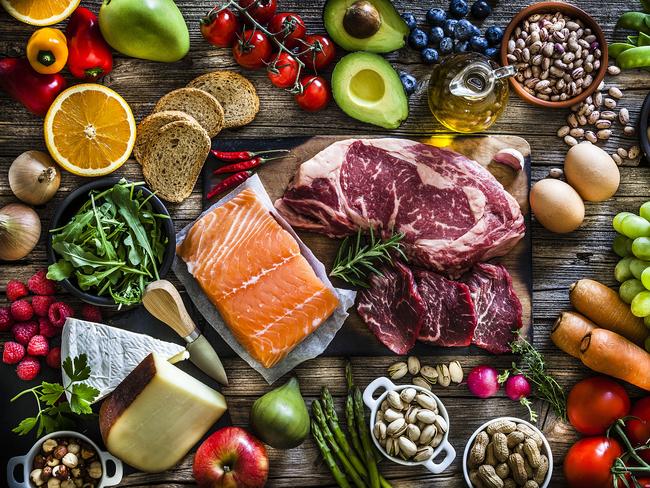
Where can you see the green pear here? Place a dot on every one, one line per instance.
(146, 29)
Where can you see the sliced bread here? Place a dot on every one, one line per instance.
(151, 125)
(236, 94)
(198, 103)
(173, 161)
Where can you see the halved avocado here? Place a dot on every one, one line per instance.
(365, 25)
(367, 88)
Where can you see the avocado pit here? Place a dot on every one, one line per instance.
(361, 20)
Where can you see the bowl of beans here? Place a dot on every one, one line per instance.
(560, 53)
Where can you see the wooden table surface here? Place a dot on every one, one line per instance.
(558, 260)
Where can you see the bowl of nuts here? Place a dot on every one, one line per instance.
(64, 459)
(507, 452)
(560, 53)
(409, 425)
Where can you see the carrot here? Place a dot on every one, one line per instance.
(605, 308)
(607, 352)
(568, 331)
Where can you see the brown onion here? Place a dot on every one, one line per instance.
(34, 177)
(20, 229)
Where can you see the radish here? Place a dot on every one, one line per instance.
(483, 381)
(517, 387)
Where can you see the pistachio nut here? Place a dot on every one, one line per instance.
(413, 365)
(426, 401)
(426, 416)
(411, 414)
(408, 394)
(394, 400)
(444, 379)
(397, 371)
(396, 427)
(384, 406)
(423, 454)
(413, 432)
(422, 383)
(391, 415)
(392, 447)
(428, 433)
(379, 416)
(441, 423)
(407, 446)
(437, 439)
(430, 374)
(379, 430)
(456, 371)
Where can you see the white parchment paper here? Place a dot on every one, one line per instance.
(313, 345)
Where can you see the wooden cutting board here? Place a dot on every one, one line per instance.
(355, 338)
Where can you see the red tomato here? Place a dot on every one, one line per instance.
(260, 10)
(644, 482)
(315, 94)
(220, 27)
(595, 403)
(322, 54)
(252, 50)
(589, 462)
(287, 27)
(283, 73)
(638, 429)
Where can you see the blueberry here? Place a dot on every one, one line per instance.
(436, 35)
(461, 47)
(449, 27)
(446, 46)
(478, 44)
(409, 82)
(491, 52)
(436, 17)
(430, 56)
(418, 39)
(481, 9)
(458, 8)
(463, 30)
(494, 35)
(475, 31)
(410, 20)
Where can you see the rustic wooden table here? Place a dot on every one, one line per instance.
(558, 260)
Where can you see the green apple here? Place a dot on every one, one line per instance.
(146, 29)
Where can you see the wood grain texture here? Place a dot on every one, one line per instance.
(558, 260)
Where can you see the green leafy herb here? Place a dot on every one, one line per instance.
(113, 246)
(54, 412)
(358, 257)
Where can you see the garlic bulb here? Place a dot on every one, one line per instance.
(34, 177)
(20, 229)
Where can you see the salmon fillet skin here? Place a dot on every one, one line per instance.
(252, 270)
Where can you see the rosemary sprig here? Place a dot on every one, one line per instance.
(358, 257)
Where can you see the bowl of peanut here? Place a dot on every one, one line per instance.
(507, 452)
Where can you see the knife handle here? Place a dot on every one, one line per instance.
(163, 301)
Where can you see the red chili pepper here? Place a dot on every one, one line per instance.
(34, 90)
(229, 183)
(243, 165)
(89, 55)
(242, 155)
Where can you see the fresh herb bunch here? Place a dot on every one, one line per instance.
(113, 245)
(54, 412)
(358, 257)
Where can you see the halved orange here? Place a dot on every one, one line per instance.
(89, 130)
(40, 12)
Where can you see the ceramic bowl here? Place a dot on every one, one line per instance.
(72, 203)
(27, 461)
(546, 449)
(644, 134)
(576, 13)
(374, 404)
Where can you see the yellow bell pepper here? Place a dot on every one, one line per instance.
(47, 50)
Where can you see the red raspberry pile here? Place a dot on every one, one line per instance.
(35, 323)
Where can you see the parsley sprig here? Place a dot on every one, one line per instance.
(54, 412)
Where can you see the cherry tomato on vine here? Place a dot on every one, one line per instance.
(253, 49)
(589, 462)
(287, 27)
(322, 54)
(220, 27)
(315, 94)
(283, 72)
(260, 10)
(595, 403)
(638, 429)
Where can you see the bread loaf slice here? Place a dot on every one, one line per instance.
(151, 125)
(173, 161)
(236, 94)
(199, 104)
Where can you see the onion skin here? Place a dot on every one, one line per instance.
(20, 230)
(34, 177)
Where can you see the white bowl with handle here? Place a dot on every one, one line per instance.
(374, 404)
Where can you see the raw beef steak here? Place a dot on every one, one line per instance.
(453, 212)
(498, 308)
(392, 308)
(450, 318)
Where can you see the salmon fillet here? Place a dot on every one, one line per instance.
(252, 270)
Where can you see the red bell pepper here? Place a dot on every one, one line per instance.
(34, 90)
(90, 56)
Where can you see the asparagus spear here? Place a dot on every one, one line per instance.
(364, 433)
(338, 475)
(350, 416)
(330, 414)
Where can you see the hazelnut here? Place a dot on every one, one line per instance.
(36, 478)
(52, 461)
(39, 461)
(95, 470)
(61, 472)
(75, 472)
(74, 448)
(60, 451)
(49, 446)
(68, 484)
(47, 473)
(70, 460)
(87, 453)
(54, 483)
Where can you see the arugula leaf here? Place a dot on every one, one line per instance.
(60, 270)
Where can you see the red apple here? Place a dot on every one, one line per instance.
(231, 458)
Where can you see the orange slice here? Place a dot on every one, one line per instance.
(40, 12)
(89, 130)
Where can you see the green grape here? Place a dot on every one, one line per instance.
(644, 211)
(641, 304)
(641, 248)
(634, 226)
(618, 219)
(622, 271)
(637, 266)
(645, 278)
(622, 245)
(646, 321)
(629, 289)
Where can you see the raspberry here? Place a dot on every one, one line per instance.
(46, 329)
(91, 313)
(59, 312)
(40, 285)
(41, 304)
(28, 368)
(53, 358)
(24, 331)
(21, 310)
(16, 290)
(38, 346)
(6, 321)
(13, 352)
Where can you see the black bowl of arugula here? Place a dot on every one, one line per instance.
(108, 240)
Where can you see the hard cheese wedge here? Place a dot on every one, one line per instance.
(155, 416)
